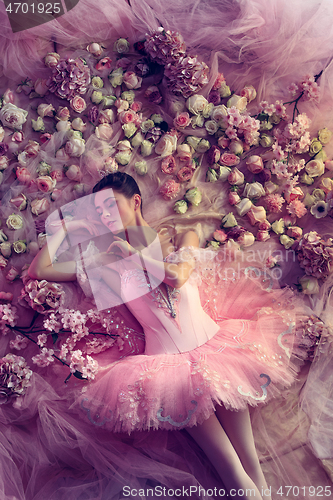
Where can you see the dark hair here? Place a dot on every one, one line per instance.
(122, 183)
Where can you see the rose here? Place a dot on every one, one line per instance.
(75, 146)
(214, 97)
(63, 126)
(2, 134)
(106, 116)
(203, 146)
(41, 86)
(264, 225)
(324, 135)
(326, 184)
(254, 190)
(121, 46)
(180, 207)
(131, 80)
(184, 152)
(236, 178)
(238, 102)
(19, 201)
(266, 141)
(220, 235)
(315, 147)
(104, 131)
(211, 126)
(56, 194)
(129, 129)
(196, 104)
(78, 124)
(307, 179)
(224, 90)
(289, 220)
(278, 226)
(219, 112)
(219, 81)
(96, 97)
(129, 96)
(95, 49)
(249, 92)
(229, 159)
(224, 143)
(12, 274)
(39, 206)
(270, 187)
(14, 221)
(127, 116)
(329, 165)
(233, 198)
(295, 194)
(116, 77)
(166, 145)
(244, 206)
(141, 167)
(6, 249)
(51, 59)
(110, 165)
(78, 104)
(3, 236)
(45, 183)
(235, 147)
(45, 110)
(194, 196)
(104, 63)
(170, 189)
(19, 246)
(315, 168)
(123, 157)
(32, 149)
(263, 235)
(168, 165)
(309, 284)
(182, 121)
(13, 117)
(185, 173)
(153, 94)
(38, 125)
(213, 155)
(246, 239)
(23, 175)
(256, 214)
(137, 140)
(73, 173)
(197, 121)
(97, 82)
(146, 148)
(295, 232)
(228, 220)
(255, 164)
(286, 241)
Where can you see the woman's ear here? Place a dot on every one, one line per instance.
(137, 201)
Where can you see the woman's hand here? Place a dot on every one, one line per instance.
(80, 226)
(121, 248)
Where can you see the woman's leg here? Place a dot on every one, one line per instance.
(213, 440)
(237, 425)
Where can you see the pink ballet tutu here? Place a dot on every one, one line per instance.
(248, 361)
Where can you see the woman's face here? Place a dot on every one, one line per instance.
(115, 210)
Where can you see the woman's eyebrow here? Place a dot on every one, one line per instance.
(107, 199)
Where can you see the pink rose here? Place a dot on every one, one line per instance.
(213, 155)
(256, 214)
(57, 175)
(3, 262)
(329, 165)
(45, 183)
(236, 178)
(45, 137)
(289, 220)
(220, 235)
(168, 165)
(19, 201)
(255, 164)
(295, 232)
(73, 173)
(23, 175)
(78, 104)
(229, 159)
(184, 152)
(166, 145)
(39, 206)
(249, 92)
(104, 63)
(41, 86)
(263, 235)
(170, 189)
(185, 173)
(234, 198)
(153, 94)
(129, 116)
(32, 149)
(12, 274)
(264, 225)
(246, 239)
(136, 106)
(218, 82)
(295, 194)
(182, 120)
(6, 296)
(18, 136)
(45, 110)
(63, 113)
(223, 142)
(131, 80)
(56, 194)
(8, 97)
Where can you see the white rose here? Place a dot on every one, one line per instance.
(194, 196)
(13, 117)
(270, 187)
(75, 147)
(123, 157)
(146, 148)
(278, 226)
(166, 145)
(211, 126)
(236, 147)
(2, 133)
(19, 246)
(254, 190)
(141, 167)
(243, 206)
(238, 102)
(78, 124)
(286, 241)
(121, 46)
(116, 77)
(197, 121)
(208, 110)
(124, 146)
(229, 220)
(129, 129)
(246, 239)
(315, 168)
(147, 125)
(14, 221)
(203, 146)
(224, 173)
(309, 285)
(196, 104)
(137, 140)
(219, 112)
(193, 141)
(38, 125)
(224, 90)
(63, 126)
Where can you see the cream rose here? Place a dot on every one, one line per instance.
(146, 148)
(315, 168)
(104, 131)
(129, 129)
(39, 206)
(19, 246)
(286, 241)
(38, 125)
(243, 207)
(141, 167)
(238, 102)
(254, 190)
(219, 112)
(278, 226)
(203, 146)
(121, 46)
(229, 220)
(256, 214)
(166, 145)
(14, 221)
(246, 239)
(123, 157)
(211, 126)
(73, 173)
(196, 104)
(324, 135)
(13, 117)
(75, 146)
(6, 249)
(137, 140)
(45, 110)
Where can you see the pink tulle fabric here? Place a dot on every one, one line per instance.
(49, 447)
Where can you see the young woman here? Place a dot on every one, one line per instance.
(202, 366)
